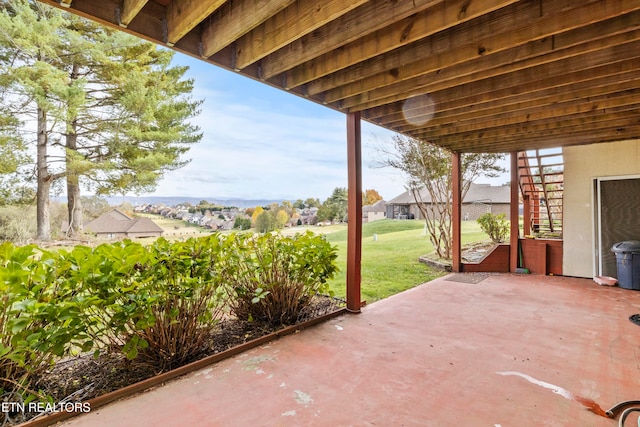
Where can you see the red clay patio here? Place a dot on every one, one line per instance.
(511, 350)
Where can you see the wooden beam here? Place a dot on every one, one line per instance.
(456, 212)
(147, 24)
(628, 129)
(550, 128)
(532, 54)
(553, 75)
(301, 18)
(417, 26)
(526, 210)
(453, 108)
(514, 214)
(578, 111)
(184, 15)
(403, 63)
(393, 62)
(130, 8)
(569, 101)
(371, 16)
(235, 19)
(518, 78)
(354, 212)
(453, 105)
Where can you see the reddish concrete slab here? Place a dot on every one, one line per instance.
(512, 350)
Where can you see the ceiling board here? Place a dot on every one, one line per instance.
(469, 75)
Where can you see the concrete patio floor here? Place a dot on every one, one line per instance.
(511, 350)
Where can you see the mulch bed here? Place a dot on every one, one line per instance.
(85, 377)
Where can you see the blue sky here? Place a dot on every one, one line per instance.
(260, 142)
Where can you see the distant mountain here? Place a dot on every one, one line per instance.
(173, 201)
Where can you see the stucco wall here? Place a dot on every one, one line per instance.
(582, 165)
(374, 216)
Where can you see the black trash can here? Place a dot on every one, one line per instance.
(628, 264)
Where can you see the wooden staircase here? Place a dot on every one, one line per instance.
(541, 181)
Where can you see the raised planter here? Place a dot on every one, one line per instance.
(435, 264)
(496, 261)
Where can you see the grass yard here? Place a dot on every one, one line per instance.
(390, 261)
(175, 229)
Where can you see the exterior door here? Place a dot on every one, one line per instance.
(618, 218)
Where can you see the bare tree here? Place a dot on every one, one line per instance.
(427, 170)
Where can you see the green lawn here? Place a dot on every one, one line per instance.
(175, 229)
(390, 262)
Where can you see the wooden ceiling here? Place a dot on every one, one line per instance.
(469, 75)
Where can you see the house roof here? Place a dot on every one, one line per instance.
(478, 193)
(470, 76)
(379, 206)
(116, 221)
(144, 225)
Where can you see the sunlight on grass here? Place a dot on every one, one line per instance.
(174, 229)
(390, 261)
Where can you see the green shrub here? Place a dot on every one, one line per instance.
(272, 278)
(496, 226)
(188, 301)
(156, 304)
(39, 319)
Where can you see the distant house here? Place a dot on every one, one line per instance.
(308, 216)
(374, 212)
(116, 224)
(480, 199)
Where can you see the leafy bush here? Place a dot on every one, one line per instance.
(187, 301)
(39, 320)
(496, 226)
(156, 304)
(273, 278)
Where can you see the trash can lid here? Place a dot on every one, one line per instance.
(628, 246)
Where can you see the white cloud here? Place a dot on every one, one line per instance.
(262, 143)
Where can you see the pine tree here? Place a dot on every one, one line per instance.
(30, 45)
(112, 113)
(12, 157)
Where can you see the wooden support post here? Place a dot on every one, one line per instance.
(526, 210)
(514, 213)
(456, 212)
(354, 214)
